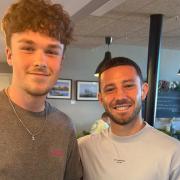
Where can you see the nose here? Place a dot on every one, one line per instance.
(120, 93)
(40, 59)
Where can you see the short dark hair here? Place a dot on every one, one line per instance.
(39, 16)
(120, 61)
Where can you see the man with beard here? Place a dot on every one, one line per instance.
(38, 141)
(130, 149)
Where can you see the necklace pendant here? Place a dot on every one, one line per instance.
(33, 138)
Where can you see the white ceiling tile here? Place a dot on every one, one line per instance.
(91, 24)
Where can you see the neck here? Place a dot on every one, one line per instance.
(128, 129)
(25, 100)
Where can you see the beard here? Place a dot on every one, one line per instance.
(124, 121)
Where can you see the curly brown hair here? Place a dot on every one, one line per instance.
(39, 16)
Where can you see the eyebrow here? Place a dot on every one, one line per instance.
(26, 41)
(113, 84)
(129, 80)
(108, 85)
(124, 81)
(55, 46)
(51, 46)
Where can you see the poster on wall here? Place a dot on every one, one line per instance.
(61, 90)
(87, 90)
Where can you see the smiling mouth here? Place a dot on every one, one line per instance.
(39, 74)
(122, 107)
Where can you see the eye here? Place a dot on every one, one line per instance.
(52, 52)
(109, 89)
(128, 86)
(28, 49)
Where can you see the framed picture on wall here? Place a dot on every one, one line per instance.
(87, 90)
(62, 89)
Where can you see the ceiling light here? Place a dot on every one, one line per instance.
(107, 56)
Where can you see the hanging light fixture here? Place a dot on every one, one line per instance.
(107, 56)
(178, 73)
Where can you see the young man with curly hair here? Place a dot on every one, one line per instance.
(37, 141)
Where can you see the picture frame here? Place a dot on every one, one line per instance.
(61, 90)
(87, 90)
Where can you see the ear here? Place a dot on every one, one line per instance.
(145, 89)
(62, 58)
(61, 63)
(100, 98)
(9, 56)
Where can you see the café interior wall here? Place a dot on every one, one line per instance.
(169, 65)
(80, 64)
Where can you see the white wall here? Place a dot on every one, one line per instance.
(80, 64)
(170, 64)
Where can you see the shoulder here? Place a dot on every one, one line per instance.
(59, 118)
(1, 92)
(3, 101)
(162, 139)
(2, 95)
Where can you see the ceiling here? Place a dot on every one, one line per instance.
(127, 21)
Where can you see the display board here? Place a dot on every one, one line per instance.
(168, 104)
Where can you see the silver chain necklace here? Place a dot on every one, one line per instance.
(21, 121)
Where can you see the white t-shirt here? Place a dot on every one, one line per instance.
(147, 155)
